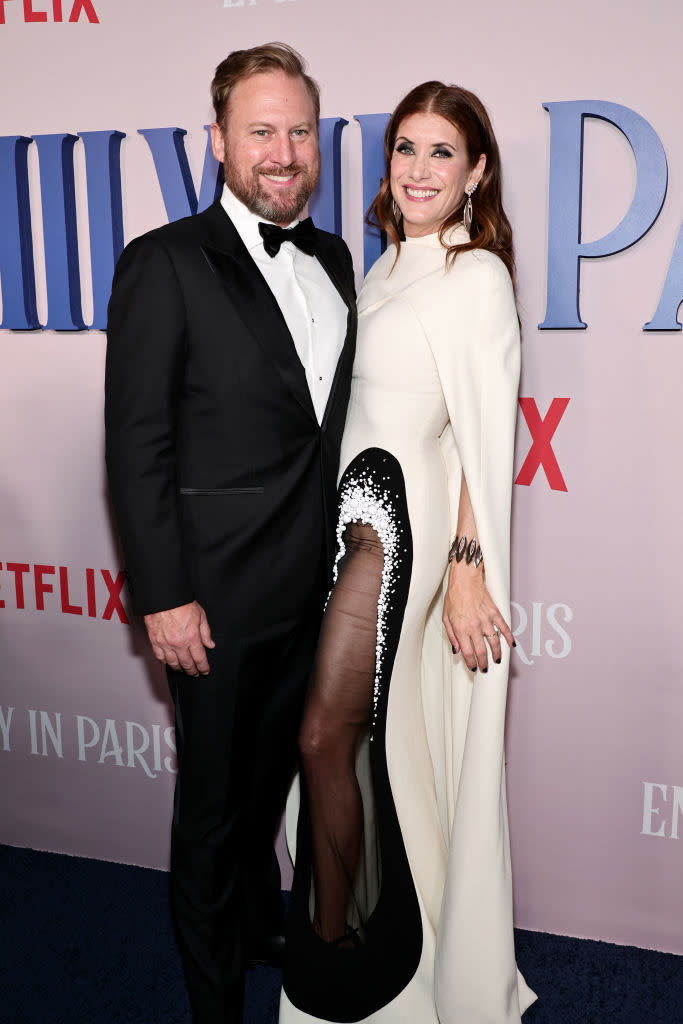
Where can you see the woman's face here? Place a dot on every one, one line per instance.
(429, 172)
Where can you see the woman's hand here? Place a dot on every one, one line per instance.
(471, 618)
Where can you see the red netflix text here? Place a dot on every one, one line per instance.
(541, 452)
(90, 592)
(39, 10)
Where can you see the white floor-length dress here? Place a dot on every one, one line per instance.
(434, 393)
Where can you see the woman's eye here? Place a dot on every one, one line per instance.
(405, 149)
(442, 152)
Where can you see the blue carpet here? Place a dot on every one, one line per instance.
(86, 942)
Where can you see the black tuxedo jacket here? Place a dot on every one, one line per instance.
(223, 482)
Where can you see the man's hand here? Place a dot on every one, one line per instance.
(179, 638)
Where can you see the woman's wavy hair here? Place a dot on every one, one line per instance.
(490, 227)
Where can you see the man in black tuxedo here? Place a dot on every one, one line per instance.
(230, 346)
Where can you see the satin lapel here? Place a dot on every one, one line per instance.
(331, 269)
(348, 351)
(254, 302)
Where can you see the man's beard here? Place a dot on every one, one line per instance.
(278, 209)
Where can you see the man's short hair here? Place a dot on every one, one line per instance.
(269, 57)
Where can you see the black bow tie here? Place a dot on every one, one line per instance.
(303, 237)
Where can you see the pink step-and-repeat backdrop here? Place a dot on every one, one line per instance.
(586, 103)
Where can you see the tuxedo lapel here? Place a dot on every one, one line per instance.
(253, 301)
(329, 263)
(345, 288)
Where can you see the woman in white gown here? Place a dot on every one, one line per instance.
(402, 904)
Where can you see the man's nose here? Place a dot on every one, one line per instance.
(282, 150)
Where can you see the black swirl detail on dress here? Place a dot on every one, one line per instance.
(344, 985)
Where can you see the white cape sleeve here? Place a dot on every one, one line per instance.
(473, 333)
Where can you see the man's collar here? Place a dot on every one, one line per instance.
(246, 222)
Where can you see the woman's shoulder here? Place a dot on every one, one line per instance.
(472, 298)
(475, 280)
(395, 276)
(424, 277)
(376, 285)
(480, 268)
(381, 268)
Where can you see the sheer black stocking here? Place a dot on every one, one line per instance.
(338, 711)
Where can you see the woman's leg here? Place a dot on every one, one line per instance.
(338, 711)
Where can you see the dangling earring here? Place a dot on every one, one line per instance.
(396, 211)
(467, 213)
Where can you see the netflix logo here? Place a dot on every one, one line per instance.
(95, 593)
(49, 10)
(541, 454)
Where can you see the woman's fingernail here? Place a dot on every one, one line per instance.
(498, 661)
(474, 669)
(514, 643)
(485, 669)
(454, 649)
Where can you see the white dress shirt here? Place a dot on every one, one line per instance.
(314, 311)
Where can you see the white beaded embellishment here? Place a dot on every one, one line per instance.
(365, 498)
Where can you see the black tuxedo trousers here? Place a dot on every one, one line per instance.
(224, 488)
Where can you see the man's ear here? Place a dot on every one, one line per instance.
(217, 142)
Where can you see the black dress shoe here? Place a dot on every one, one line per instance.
(268, 951)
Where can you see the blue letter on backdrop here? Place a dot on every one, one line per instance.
(17, 276)
(175, 177)
(325, 206)
(372, 133)
(105, 214)
(565, 248)
(56, 157)
(672, 295)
